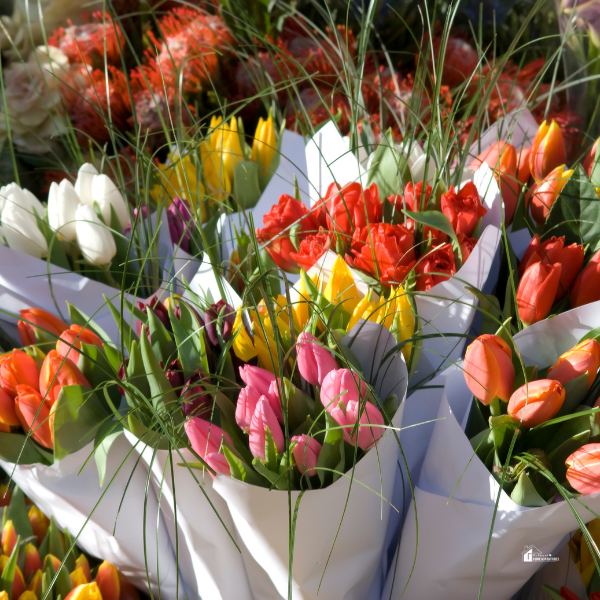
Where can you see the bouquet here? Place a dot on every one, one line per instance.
(58, 407)
(511, 469)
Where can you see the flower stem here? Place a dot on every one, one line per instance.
(495, 407)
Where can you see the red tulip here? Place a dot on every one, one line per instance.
(31, 333)
(547, 150)
(39, 523)
(523, 168)
(464, 208)
(579, 360)
(536, 402)
(588, 163)
(467, 244)
(546, 192)
(583, 471)
(586, 288)
(537, 291)
(32, 561)
(311, 248)
(107, 579)
(435, 267)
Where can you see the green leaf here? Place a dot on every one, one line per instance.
(483, 444)
(246, 184)
(106, 436)
(388, 168)
(280, 481)
(55, 543)
(271, 454)
(525, 494)
(560, 455)
(188, 339)
(437, 220)
(554, 594)
(78, 416)
(594, 334)
(575, 391)
(502, 431)
(18, 513)
(56, 253)
(241, 470)
(162, 342)
(46, 591)
(96, 368)
(125, 328)
(332, 452)
(8, 575)
(11, 450)
(595, 174)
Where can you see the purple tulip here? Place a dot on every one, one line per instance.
(174, 374)
(135, 214)
(195, 401)
(219, 319)
(180, 222)
(160, 312)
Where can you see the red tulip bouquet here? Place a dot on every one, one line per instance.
(61, 444)
(514, 465)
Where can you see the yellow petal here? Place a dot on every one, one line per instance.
(242, 345)
(341, 288)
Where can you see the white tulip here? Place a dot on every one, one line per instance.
(24, 200)
(21, 231)
(94, 239)
(62, 204)
(107, 194)
(83, 183)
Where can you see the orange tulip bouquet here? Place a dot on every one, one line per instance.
(512, 459)
(61, 443)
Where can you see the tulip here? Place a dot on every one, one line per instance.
(583, 472)
(340, 288)
(8, 417)
(35, 585)
(583, 358)
(181, 223)
(88, 591)
(257, 378)
(21, 231)
(264, 418)
(84, 182)
(19, 587)
(39, 523)
(50, 558)
(83, 564)
(536, 402)
(5, 495)
(107, 195)
(246, 404)
(546, 192)
(306, 454)
(264, 144)
(219, 321)
(107, 579)
(22, 199)
(9, 538)
(73, 337)
(314, 361)
(370, 423)
(488, 369)
(341, 386)
(78, 578)
(195, 401)
(243, 344)
(17, 368)
(34, 415)
(160, 311)
(4, 595)
(94, 238)
(62, 204)
(42, 327)
(32, 561)
(129, 592)
(586, 288)
(537, 291)
(523, 168)
(206, 440)
(588, 163)
(567, 594)
(57, 372)
(547, 150)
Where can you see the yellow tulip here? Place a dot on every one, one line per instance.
(214, 172)
(179, 177)
(340, 288)
(243, 346)
(364, 310)
(580, 553)
(264, 145)
(300, 307)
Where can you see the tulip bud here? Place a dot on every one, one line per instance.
(50, 558)
(62, 204)
(537, 291)
(181, 223)
(583, 472)
(195, 401)
(4, 595)
(83, 564)
(586, 288)
(523, 168)
(488, 369)
(28, 595)
(206, 440)
(107, 195)
(73, 338)
(246, 404)
(264, 144)
(8, 417)
(32, 561)
(370, 420)
(22, 199)
(306, 454)
(341, 386)
(107, 579)
(21, 231)
(546, 192)
(220, 319)
(57, 372)
(35, 585)
(42, 327)
(276, 387)
(174, 374)
(547, 150)
(17, 368)
(264, 418)
(159, 310)
(94, 239)
(18, 587)
(314, 361)
(39, 523)
(34, 415)
(9, 538)
(583, 358)
(588, 163)
(78, 577)
(84, 182)
(536, 402)
(88, 591)
(257, 378)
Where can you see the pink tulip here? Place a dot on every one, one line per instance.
(369, 430)
(246, 405)
(341, 386)
(218, 463)
(262, 418)
(257, 378)
(306, 454)
(314, 360)
(273, 397)
(205, 437)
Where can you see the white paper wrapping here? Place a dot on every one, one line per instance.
(359, 511)
(60, 491)
(453, 534)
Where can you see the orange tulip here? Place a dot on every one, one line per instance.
(78, 578)
(32, 561)
(88, 591)
(583, 471)
(40, 320)
(34, 415)
(28, 595)
(35, 585)
(586, 288)
(50, 558)
(18, 582)
(523, 168)
(8, 416)
(83, 564)
(39, 523)
(583, 358)
(588, 163)
(488, 369)
(74, 337)
(545, 193)
(9, 538)
(107, 579)
(547, 151)
(57, 372)
(17, 368)
(537, 291)
(536, 402)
